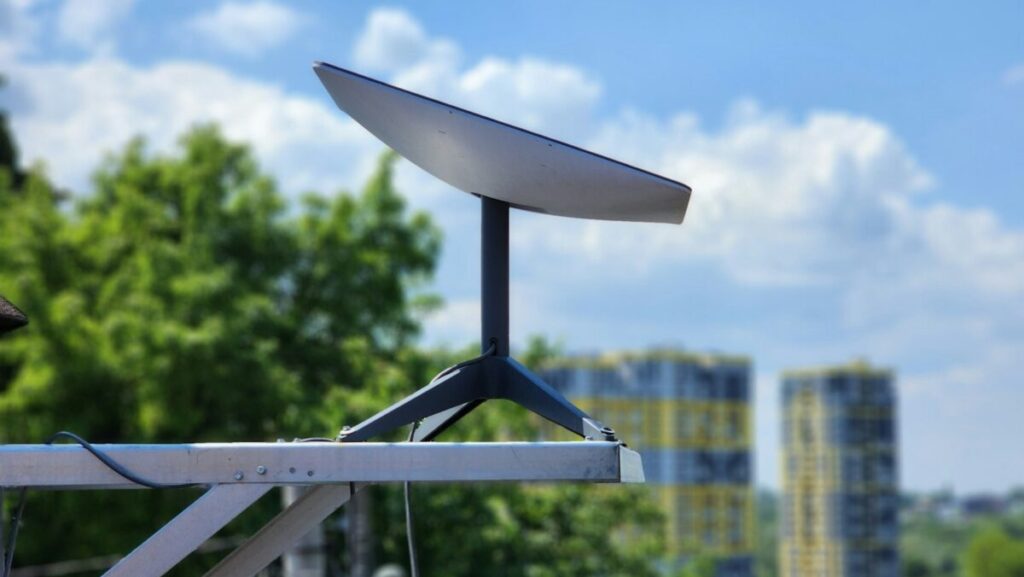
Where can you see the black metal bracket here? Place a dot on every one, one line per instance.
(454, 394)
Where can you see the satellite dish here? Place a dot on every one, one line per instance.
(506, 167)
(483, 156)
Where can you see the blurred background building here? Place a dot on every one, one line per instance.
(689, 415)
(840, 490)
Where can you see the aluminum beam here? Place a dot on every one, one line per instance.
(71, 467)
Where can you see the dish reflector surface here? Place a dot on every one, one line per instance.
(480, 155)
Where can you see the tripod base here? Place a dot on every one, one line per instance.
(446, 400)
(493, 376)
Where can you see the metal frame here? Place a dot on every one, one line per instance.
(238, 474)
(71, 467)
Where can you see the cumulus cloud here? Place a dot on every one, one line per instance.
(393, 40)
(84, 110)
(831, 203)
(90, 25)
(531, 92)
(776, 201)
(248, 29)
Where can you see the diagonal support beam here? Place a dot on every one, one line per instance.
(278, 535)
(186, 532)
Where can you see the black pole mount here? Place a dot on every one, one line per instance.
(493, 375)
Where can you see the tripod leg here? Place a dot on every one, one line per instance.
(436, 424)
(449, 395)
(527, 389)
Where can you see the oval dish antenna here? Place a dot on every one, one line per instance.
(480, 155)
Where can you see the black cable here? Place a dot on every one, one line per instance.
(3, 523)
(490, 351)
(13, 537)
(110, 463)
(114, 465)
(410, 536)
(414, 570)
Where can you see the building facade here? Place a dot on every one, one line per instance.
(840, 503)
(689, 417)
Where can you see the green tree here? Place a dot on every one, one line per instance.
(699, 566)
(994, 553)
(915, 567)
(766, 555)
(182, 301)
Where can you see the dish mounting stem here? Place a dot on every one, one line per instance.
(494, 275)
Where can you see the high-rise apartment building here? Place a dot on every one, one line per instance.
(839, 515)
(689, 416)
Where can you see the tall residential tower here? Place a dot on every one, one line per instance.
(689, 416)
(839, 460)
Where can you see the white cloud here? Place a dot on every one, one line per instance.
(528, 92)
(91, 25)
(393, 40)
(531, 92)
(248, 29)
(1014, 76)
(776, 202)
(84, 110)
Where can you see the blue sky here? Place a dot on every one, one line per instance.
(858, 174)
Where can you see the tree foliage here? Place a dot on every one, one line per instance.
(185, 299)
(994, 553)
(766, 554)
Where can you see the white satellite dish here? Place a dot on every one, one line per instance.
(480, 155)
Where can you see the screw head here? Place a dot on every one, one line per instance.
(239, 475)
(261, 470)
